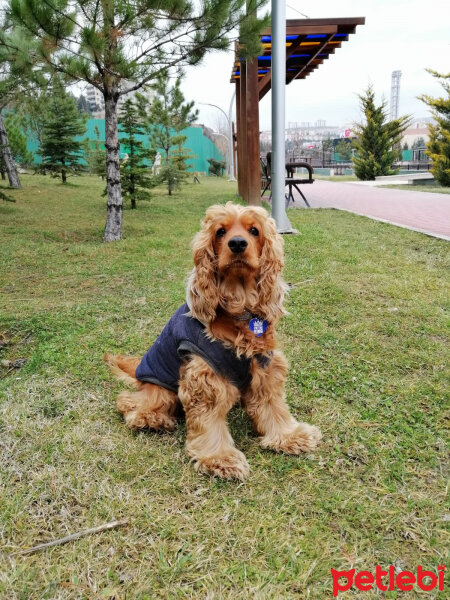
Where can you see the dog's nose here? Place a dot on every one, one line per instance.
(237, 244)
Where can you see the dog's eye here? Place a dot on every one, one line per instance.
(254, 231)
(220, 232)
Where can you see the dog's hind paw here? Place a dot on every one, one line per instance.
(233, 465)
(304, 438)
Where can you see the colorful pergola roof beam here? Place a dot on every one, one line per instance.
(308, 43)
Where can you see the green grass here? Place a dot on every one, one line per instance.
(436, 189)
(367, 341)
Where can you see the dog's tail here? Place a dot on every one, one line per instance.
(123, 367)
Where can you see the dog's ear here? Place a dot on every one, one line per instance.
(202, 290)
(271, 285)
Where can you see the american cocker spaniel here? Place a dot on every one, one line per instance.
(220, 347)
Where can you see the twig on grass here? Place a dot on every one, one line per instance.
(73, 536)
(291, 285)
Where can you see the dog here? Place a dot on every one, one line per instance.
(220, 347)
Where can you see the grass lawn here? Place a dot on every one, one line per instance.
(436, 189)
(338, 178)
(367, 344)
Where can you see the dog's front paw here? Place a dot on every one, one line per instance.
(232, 465)
(304, 438)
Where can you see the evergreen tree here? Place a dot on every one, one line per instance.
(17, 139)
(12, 77)
(112, 43)
(168, 115)
(438, 147)
(418, 143)
(135, 174)
(33, 105)
(61, 153)
(7, 156)
(216, 167)
(83, 105)
(175, 172)
(96, 156)
(344, 149)
(378, 140)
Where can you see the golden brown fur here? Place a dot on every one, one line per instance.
(222, 286)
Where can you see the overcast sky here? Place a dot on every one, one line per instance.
(405, 35)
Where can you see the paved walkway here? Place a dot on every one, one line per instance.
(426, 212)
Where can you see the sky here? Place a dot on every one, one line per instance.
(405, 35)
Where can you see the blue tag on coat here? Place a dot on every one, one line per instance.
(258, 326)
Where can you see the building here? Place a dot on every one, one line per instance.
(419, 129)
(145, 91)
(96, 101)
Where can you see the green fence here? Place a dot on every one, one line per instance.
(201, 147)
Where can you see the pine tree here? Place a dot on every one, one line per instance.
(61, 153)
(418, 143)
(135, 173)
(11, 82)
(17, 139)
(168, 115)
(7, 157)
(33, 105)
(95, 155)
(175, 172)
(438, 147)
(216, 167)
(378, 140)
(83, 105)
(344, 149)
(118, 46)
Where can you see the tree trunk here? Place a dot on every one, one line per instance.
(133, 192)
(10, 167)
(113, 228)
(132, 178)
(2, 171)
(39, 137)
(169, 185)
(63, 175)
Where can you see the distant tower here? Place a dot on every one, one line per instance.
(395, 93)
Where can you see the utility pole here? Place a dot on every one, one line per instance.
(278, 117)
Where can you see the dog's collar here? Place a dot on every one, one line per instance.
(245, 316)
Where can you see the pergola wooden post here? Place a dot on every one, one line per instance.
(253, 147)
(308, 43)
(247, 122)
(238, 135)
(242, 134)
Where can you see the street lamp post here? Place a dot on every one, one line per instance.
(230, 134)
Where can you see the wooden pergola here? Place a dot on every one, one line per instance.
(308, 43)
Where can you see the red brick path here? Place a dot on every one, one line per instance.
(426, 212)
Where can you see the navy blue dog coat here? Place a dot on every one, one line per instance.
(182, 336)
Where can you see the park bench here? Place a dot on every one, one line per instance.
(290, 181)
